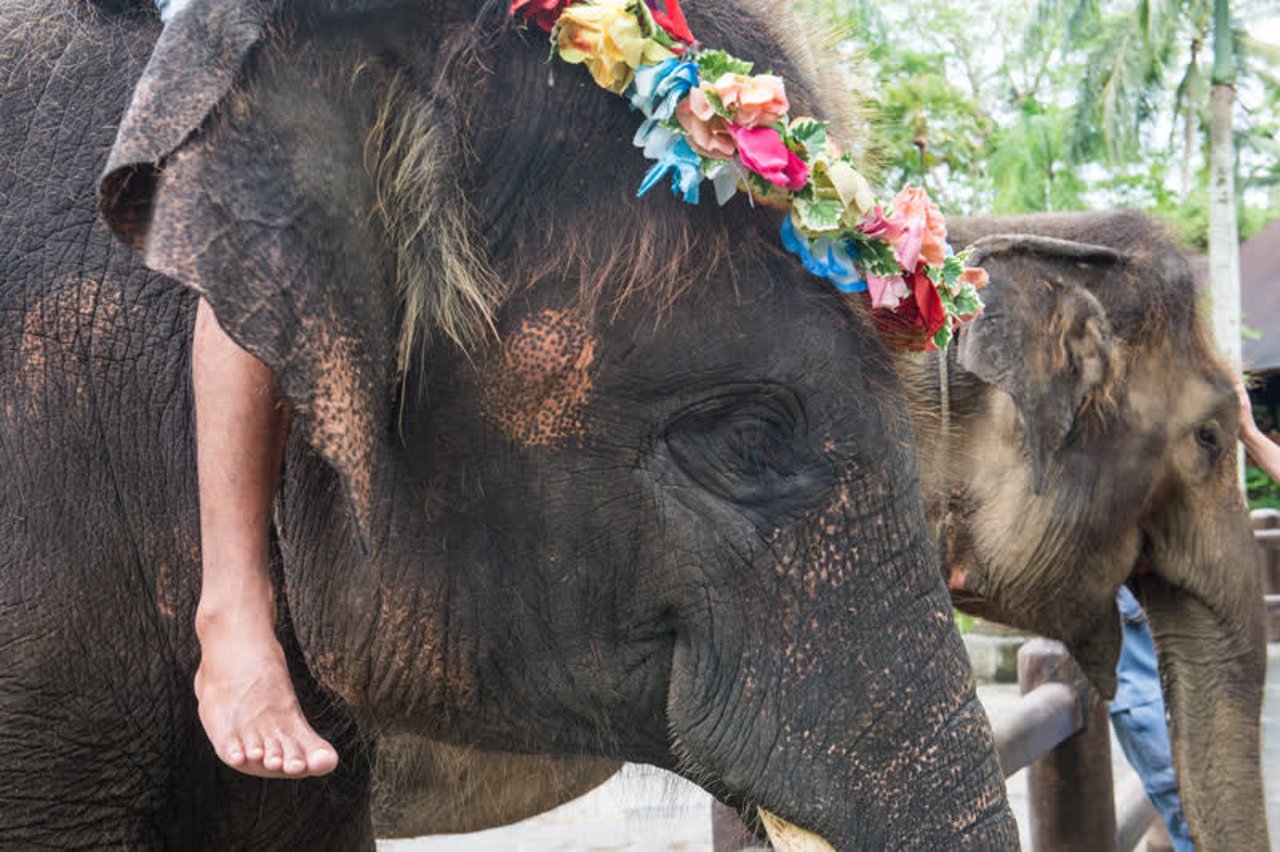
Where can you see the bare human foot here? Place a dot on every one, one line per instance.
(247, 703)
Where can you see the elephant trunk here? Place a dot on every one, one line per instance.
(859, 723)
(1207, 618)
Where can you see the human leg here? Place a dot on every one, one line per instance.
(1138, 718)
(247, 703)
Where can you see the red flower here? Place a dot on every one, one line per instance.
(544, 13)
(917, 318)
(672, 20)
(932, 313)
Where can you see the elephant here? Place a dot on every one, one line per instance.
(1085, 441)
(1093, 443)
(571, 475)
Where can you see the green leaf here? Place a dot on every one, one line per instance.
(818, 215)
(876, 257)
(809, 132)
(713, 64)
(967, 302)
(952, 268)
(943, 336)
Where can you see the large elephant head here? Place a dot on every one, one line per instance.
(1093, 444)
(576, 473)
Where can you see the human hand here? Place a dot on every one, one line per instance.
(1264, 452)
(1247, 426)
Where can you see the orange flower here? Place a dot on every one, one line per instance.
(913, 209)
(708, 132)
(975, 275)
(752, 101)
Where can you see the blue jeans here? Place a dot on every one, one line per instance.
(1137, 715)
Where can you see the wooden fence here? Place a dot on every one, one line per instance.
(1060, 733)
(1266, 532)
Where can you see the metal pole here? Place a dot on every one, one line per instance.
(1070, 789)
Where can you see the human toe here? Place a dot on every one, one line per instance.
(273, 754)
(295, 758)
(233, 753)
(254, 750)
(322, 760)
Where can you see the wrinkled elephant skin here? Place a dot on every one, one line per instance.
(1090, 444)
(573, 474)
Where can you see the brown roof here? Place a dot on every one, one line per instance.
(1259, 296)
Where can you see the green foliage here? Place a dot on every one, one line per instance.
(1027, 105)
(713, 64)
(1263, 492)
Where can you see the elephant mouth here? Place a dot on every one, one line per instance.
(1143, 565)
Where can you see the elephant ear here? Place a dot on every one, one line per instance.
(1043, 337)
(239, 176)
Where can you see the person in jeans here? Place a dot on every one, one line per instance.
(1138, 719)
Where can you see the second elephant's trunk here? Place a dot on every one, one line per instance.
(1207, 618)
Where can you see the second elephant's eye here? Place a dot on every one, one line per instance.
(1208, 438)
(750, 448)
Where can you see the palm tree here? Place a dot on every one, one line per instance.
(1130, 59)
(1224, 234)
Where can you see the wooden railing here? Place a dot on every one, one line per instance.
(1266, 532)
(1060, 733)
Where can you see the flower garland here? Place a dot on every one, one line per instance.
(708, 117)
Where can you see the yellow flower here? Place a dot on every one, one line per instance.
(606, 35)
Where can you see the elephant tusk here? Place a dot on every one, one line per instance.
(786, 837)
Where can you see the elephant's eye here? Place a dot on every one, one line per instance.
(1208, 438)
(751, 448)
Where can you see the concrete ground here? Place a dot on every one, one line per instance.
(647, 810)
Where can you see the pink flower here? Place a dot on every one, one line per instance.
(886, 291)
(763, 151)
(751, 101)
(926, 231)
(907, 247)
(708, 133)
(879, 227)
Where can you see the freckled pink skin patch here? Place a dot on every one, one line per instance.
(538, 390)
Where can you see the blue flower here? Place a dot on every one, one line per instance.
(835, 260)
(658, 89)
(685, 167)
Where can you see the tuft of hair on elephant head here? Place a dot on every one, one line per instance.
(1089, 442)
(573, 474)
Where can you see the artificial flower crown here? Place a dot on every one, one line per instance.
(707, 117)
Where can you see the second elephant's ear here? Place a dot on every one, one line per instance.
(1043, 337)
(242, 171)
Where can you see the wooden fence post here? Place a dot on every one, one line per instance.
(1070, 790)
(729, 833)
